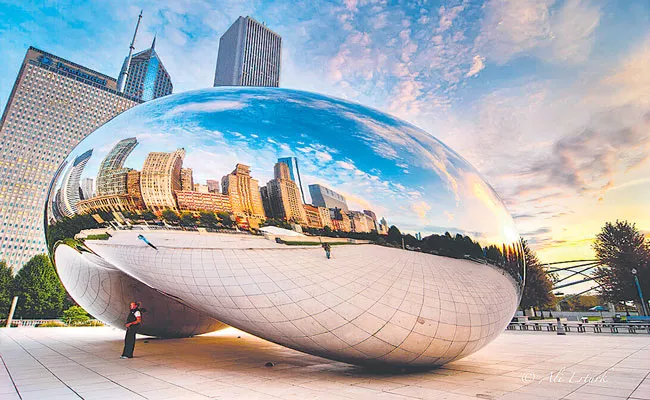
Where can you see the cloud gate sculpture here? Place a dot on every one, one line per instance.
(309, 221)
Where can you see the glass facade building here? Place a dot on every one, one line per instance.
(54, 104)
(147, 78)
(294, 173)
(71, 188)
(249, 55)
(322, 196)
(111, 178)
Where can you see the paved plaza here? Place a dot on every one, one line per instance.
(73, 363)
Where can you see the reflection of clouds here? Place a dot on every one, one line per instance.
(375, 161)
(208, 106)
(421, 208)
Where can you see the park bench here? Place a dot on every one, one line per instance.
(580, 327)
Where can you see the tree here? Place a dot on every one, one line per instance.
(6, 288)
(187, 219)
(208, 219)
(75, 315)
(170, 216)
(226, 219)
(394, 235)
(40, 292)
(148, 215)
(538, 287)
(620, 247)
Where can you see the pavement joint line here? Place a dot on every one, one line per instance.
(637, 386)
(516, 353)
(609, 368)
(57, 377)
(43, 365)
(10, 377)
(151, 376)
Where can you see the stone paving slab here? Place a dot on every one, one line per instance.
(83, 363)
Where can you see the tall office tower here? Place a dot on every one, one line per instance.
(360, 222)
(111, 178)
(160, 179)
(266, 202)
(340, 220)
(294, 172)
(313, 216)
(213, 186)
(322, 196)
(383, 226)
(373, 216)
(325, 217)
(146, 77)
(243, 191)
(133, 184)
(87, 188)
(284, 196)
(70, 184)
(249, 55)
(53, 105)
(187, 179)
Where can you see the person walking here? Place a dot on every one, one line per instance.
(133, 322)
(328, 250)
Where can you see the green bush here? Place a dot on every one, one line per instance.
(101, 236)
(94, 322)
(75, 316)
(51, 324)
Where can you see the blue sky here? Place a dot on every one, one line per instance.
(376, 161)
(548, 99)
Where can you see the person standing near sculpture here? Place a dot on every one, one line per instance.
(328, 250)
(133, 322)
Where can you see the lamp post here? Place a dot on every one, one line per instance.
(638, 287)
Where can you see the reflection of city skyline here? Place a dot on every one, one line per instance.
(164, 183)
(415, 181)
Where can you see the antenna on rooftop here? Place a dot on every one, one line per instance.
(127, 64)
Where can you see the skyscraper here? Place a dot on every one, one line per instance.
(187, 179)
(322, 196)
(294, 172)
(111, 178)
(160, 179)
(146, 77)
(70, 187)
(53, 105)
(243, 191)
(372, 215)
(87, 188)
(213, 185)
(283, 196)
(249, 55)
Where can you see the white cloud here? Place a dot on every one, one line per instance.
(562, 34)
(208, 106)
(447, 16)
(477, 66)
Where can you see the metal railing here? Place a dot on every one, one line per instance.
(594, 327)
(31, 323)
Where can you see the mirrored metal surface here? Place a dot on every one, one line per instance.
(309, 221)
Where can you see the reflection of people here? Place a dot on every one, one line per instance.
(144, 239)
(133, 321)
(328, 249)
